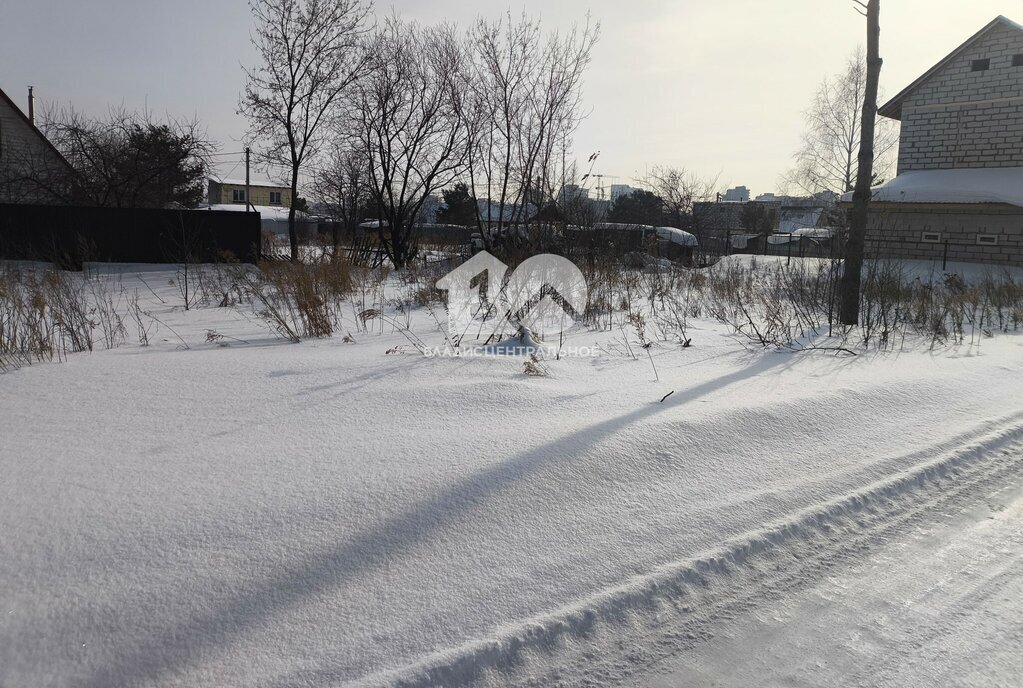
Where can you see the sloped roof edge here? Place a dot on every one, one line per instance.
(893, 108)
(34, 128)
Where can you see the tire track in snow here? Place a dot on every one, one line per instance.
(628, 628)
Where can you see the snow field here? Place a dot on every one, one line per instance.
(678, 603)
(250, 512)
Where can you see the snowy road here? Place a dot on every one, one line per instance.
(938, 607)
(922, 586)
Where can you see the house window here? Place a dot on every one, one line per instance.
(238, 196)
(1017, 60)
(981, 65)
(987, 240)
(275, 198)
(931, 237)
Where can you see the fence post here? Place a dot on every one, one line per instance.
(789, 260)
(944, 256)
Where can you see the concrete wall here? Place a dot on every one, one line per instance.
(895, 230)
(708, 215)
(960, 118)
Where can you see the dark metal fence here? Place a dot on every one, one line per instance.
(70, 235)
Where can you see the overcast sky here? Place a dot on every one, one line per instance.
(716, 86)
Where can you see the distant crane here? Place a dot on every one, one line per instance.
(600, 187)
(600, 183)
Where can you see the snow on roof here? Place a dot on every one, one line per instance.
(262, 183)
(266, 212)
(815, 232)
(977, 185)
(676, 236)
(799, 234)
(672, 234)
(792, 219)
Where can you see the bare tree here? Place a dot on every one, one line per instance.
(33, 174)
(131, 160)
(311, 54)
(680, 189)
(827, 159)
(759, 218)
(581, 211)
(410, 126)
(523, 102)
(341, 185)
(849, 287)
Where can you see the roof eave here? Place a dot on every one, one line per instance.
(893, 108)
(35, 129)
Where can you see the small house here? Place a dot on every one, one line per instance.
(958, 194)
(262, 193)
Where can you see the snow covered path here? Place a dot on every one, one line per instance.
(939, 606)
(326, 513)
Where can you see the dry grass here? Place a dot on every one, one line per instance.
(769, 303)
(45, 314)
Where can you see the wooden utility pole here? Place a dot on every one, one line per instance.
(849, 287)
(248, 204)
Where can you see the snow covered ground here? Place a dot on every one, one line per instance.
(939, 605)
(251, 512)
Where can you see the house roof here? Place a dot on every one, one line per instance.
(14, 108)
(893, 108)
(266, 212)
(958, 186)
(253, 182)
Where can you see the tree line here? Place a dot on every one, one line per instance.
(386, 115)
(375, 117)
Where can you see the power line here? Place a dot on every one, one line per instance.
(226, 176)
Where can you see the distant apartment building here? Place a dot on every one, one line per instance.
(619, 190)
(571, 193)
(739, 194)
(262, 193)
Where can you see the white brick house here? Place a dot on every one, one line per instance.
(959, 189)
